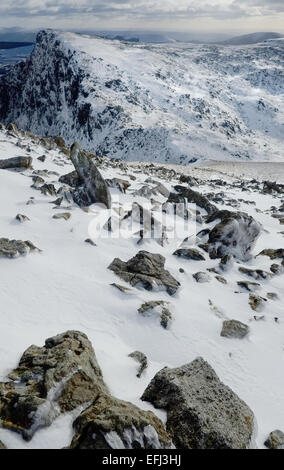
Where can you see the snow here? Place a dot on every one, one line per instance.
(68, 286)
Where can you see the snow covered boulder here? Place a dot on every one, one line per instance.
(94, 188)
(16, 163)
(55, 378)
(110, 423)
(184, 194)
(146, 270)
(235, 234)
(203, 413)
(15, 248)
(234, 329)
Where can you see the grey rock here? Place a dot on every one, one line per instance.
(234, 329)
(202, 412)
(276, 268)
(221, 279)
(188, 195)
(63, 215)
(110, 423)
(273, 253)
(201, 277)
(58, 377)
(256, 302)
(141, 359)
(121, 288)
(94, 188)
(118, 183)
(257, 274)
(16, 163)
(48, 189)
(272, 296)
(37, 182)
(226, 262)
(146, 270)
(72, 179)
(15, 248)
(90, 241)
(2, 445)
(189, 253)
(42, 158)
(249, 286)
(158, 308)
(235, 234)
(275, 440)
(22, 218)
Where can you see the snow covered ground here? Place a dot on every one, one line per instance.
(68, 287)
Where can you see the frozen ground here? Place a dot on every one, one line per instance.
(67, 286)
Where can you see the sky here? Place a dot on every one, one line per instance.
(228, 16)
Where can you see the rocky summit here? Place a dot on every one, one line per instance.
(141, 245)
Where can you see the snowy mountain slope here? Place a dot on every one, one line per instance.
(252, 38)
(68, 286)
(176, 103)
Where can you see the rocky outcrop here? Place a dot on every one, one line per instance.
(235, 234)
(202, 412)
(94, 188)
(110, 423)
(275, 440)
(15, 248)
(146, 270)
(22, 163)
(234, 329)
(55, 378)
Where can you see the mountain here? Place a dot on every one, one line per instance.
(14, 45)
(176, 103)
(65, 268)
(253, 38)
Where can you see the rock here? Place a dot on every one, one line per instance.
(63, 215)
(257, 274)
(189, 253)
(234, 329)
(57, 201)
(146, 270)
(256, 302)
(110, 423)
(235, 234)
(272, 296)
(272, 253)
(201, 277)
(183, 195)
(275, 440)
(90, 241)
(72, 179)
(221, 279)
(58, 377)
(42, 158)
(21, 218)
(94, 188)
(249, 286)
(226, 262)
(158, 308)
(142, 359)
(202, 412)
(118, 183)
(2, 445)
(276, 268)
(121, 288)
(48, 189)
(15, 248)
(37, 182)
(16, 163)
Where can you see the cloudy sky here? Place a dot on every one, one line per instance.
(176, 15)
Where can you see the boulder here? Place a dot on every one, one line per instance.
(273, 253)
(234, 329)
(256, 302)
(15, 248)
(94, 188)
(16, 163)
(158, 308)
(21, 218)
(257, 274)
(2, 445)
(63, 215)
(146, 270)
(249, 286)
(48, 189)
(235, 234)
(139, 357)
(189, 253)
(202, 412)
(110, 423)
(201, 277)
(183, 194)
(72, 179)
(275, 440)
(55, 378)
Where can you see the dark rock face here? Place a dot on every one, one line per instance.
(235, 234)
(56, 378)
(16, 163)
(72, 179)
(146, 270)
(189, 253)
(15, 248)
(234, 329)
(94, 188)
(110, 423)
(203, 413)
(275, 440)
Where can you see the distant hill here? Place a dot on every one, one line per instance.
(253, 38)
(14, 45)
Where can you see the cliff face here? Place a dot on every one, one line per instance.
(174, 103)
